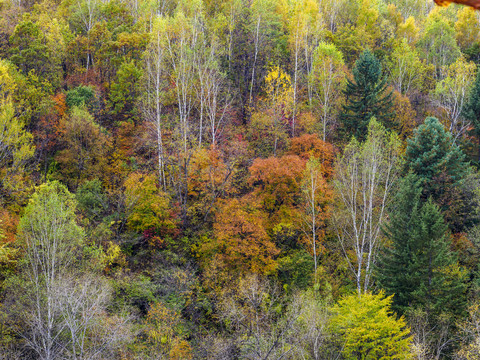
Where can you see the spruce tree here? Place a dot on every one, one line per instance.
(472, 110)
(366, 97)
(437, 160)
(417, 266)
(395, 260)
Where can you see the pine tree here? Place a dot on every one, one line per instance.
(418, 266)
(472, 110)
(366, 97)
(437, 160)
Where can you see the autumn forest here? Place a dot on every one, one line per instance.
(239, 179)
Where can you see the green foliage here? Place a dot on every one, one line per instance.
(92, 199)
(124, 90)
(296, 269)
(16, 149)
(436, 159)
(49, 219)
(369, 330)
(366, 97)
(81, 95)
(438, 45)
(417, 265)
(472, 109)
(149, 208)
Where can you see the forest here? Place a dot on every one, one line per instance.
(239, 179)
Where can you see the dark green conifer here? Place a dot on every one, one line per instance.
(366, 97)
(437, 160)
(472, 110)
(417, 264)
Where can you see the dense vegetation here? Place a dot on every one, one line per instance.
(239, 179)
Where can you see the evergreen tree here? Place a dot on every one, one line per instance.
(366, 97)
(472, 110)
(437, 160)
(418, 266)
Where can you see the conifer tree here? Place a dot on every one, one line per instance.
(436, 159)
(418, 266)
(366, 97)
(472, 110)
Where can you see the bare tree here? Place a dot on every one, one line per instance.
(261, 332)
(451, 95)
(154, 82)
(364, 179)
(315, 198)
(93, 334)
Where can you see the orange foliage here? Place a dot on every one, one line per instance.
(8, 226)
(241, 242)
(277, 181)
(208, 173)
(309, 145)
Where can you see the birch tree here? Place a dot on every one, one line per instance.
(329, 79)
(49, 237)
(364, 178)
(154, 86)
(305, 31)
(451, 95)
(316, 197)
(405, 68)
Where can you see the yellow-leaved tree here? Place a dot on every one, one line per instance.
(368, 329)
(16, 144)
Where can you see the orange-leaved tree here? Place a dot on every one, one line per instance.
(241, 242)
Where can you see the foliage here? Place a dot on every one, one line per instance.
(417, 266)
(436, 159)
(84, 156)
(149, 209)
(366, 97)
(240, 241)
(364, 180)
(368, 329)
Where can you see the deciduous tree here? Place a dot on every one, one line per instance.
(364, 179)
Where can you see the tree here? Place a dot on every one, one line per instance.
(305, 32)
(316, 197)
(452, 93)
(57, 301)
(124, 90)
(467, 28)
(240, 241)
(148, 209)
(250, 310)
(366, 96)
(369, 330)
(277, 184)
(436, 159)
(29, 51)
(405, 68)
(278, 89)
(472, 109)
(438, 45)
(417, 266)
(328, 81)
(364, 180)
(86, 146)
(49, 237)
(16, 148)
(154, 83)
